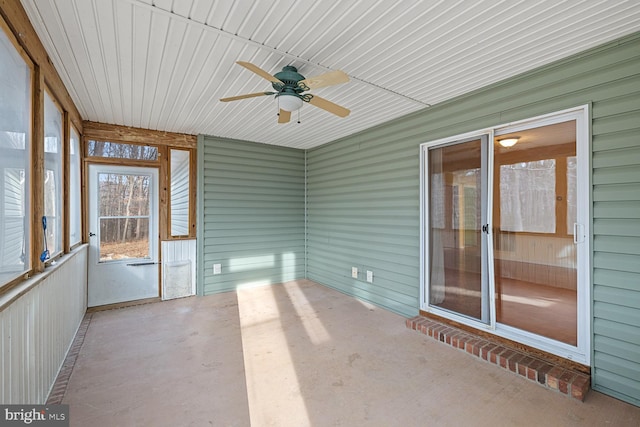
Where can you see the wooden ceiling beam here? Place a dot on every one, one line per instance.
(131, 135)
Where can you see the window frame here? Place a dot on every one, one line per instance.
(164, 142)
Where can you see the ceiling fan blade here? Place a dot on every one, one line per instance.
(328, 106)
(327, 79)
(249, 95)
(284, 116)
(259, 71)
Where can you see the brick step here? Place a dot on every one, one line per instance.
(546, 373)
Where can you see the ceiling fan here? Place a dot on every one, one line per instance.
(289, 86)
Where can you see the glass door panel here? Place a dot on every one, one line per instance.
(124, 216)
(457, 274)
(534, 212)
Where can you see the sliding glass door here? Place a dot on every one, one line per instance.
(457, 210)
(505, 214)
(534, 220)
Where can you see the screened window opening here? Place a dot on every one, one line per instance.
(15, 162)
(180, 192)
(53, 175)
(75, 209)
(118, 150)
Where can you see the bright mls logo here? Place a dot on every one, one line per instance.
(36, 415)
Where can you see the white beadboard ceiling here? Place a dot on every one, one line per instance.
(164, 64)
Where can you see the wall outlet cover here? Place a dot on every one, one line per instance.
(369, 276)
(354, 272)
(217, 268)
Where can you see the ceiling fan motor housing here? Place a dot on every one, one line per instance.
(290, 77)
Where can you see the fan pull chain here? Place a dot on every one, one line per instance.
(299, 116)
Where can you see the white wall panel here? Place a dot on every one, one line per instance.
(173, 253)
(37, 328)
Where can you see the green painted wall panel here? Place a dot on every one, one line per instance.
(621, 332)
(617, 244)
(626, 209)
(615, 140)
(615, 348)
(252, 214)
(617, 313)
(625, 368)
(616, 227)
(617, 279)
(617, 261)
(615, 158)
(617, 386)
(363, 192)
(619, 296)
(616, 192)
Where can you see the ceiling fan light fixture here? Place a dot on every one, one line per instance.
(508, 142)
(289, 102)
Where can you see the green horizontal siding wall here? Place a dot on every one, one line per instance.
(363, 196)
(363, 211)
(251, 207)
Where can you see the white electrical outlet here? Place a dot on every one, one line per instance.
(369, 276)
(217, 268)
(354, 272)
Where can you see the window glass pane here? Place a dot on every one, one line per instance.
(535, 260)
(455, 218)
(179, 193)
(15, 169)
(121, 151)
(528, 196)
(124, 238)
(53, 174)
(124, 216)
(123, 195)
(75, 210)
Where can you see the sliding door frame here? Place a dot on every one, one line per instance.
(580, 353)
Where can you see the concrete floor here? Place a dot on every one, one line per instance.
(299, 354)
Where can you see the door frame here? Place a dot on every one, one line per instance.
(580, 353)
(95, 168)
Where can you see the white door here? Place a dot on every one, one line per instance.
(123, 234)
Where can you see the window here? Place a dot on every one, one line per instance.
(75, 210)
(15, 162)
(180, 192)
(53, 182)
(118, 150)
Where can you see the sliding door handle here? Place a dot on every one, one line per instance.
(578, 233)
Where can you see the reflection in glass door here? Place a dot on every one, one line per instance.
(457, 211)
(534, 228)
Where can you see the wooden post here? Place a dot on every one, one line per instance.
(37, 173)
(66, 169)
